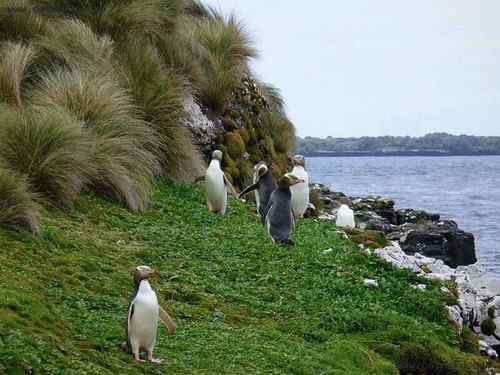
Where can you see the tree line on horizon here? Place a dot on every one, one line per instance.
(433, 142)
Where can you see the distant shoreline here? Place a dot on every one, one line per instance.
(395, 153)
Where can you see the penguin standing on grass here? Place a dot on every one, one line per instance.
(300, 192)
(143, 314)
(264, 185)
(280, 220)
(217, 184)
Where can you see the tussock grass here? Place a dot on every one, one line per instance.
(15, 59)
(73, 44)
(160, 93)
(47, 146)
(19, 22)
(227, 50)
(124, 145)
(121, 72)
(18, 204)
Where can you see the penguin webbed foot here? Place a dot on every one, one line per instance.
(286, 242)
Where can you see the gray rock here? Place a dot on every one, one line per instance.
(409, 215)
(442, 240)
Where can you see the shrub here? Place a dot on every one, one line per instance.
(17, 205)
(49, 148)
(234, 144)
(73, 44)
(469, 341)
(122, 142)
(160, 93)
(315, 199)
(18, 21)
(488, 327)
(245, 135)
(15, 59)
(227, 49)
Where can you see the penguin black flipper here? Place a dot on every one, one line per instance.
(248, 189)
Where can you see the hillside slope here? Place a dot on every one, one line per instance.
(242, 304)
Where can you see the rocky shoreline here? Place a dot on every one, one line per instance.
(435, 249)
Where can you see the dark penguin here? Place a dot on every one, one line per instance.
(143, 314)
(279, 215)
(265, 185)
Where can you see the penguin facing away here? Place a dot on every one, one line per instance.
(264, 185)
(143, 314)
(217, 185)
(300, 192)
(280, 220)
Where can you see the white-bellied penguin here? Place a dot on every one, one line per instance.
(300, 191)
(280, 221)
(217, 184)
(143, 314)
(263, 183)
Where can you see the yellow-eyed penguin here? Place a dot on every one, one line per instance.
(217, 185)
(263, 183)
(300, 192)
(279, 215)
(143, 314)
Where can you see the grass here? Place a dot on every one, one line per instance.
(18, 205)
(242, 303)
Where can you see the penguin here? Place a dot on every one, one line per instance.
(217, 184)
(280, 220)
(263, 183)
(300, 192)
(143, 314)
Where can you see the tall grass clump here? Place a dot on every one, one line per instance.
(19, 22)
(15, 59)
(160, 93)
(48, 148)
(228, 49)
(119, 18)
(18, 205)
(73, 44)
(123, 143)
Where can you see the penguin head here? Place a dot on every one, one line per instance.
(142, 272)
(289, 180)
(298, 160)
(261, 169)
(217, 155)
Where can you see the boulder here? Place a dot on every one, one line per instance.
(370, 220)
(442, 240)
(409, 215)
(382, 206)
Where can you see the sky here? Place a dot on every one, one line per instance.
(379, 67)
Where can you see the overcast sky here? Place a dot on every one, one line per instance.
(380, 67)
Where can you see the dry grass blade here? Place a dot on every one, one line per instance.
(15, 59)
(18, 205)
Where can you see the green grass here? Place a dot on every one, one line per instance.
(243, 305)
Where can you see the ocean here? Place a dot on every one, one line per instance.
(462, 188)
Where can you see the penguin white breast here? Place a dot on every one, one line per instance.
(143, 323)
(300, 191)
(216, 188)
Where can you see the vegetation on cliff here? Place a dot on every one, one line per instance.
(242, 303)
(92, 99)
